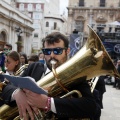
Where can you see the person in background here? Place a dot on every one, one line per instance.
(41, 57)
(12, 62)
(100, 86)
(98, 110)
(33, 58)
(7, 48)
(23, 58)
(117, 80)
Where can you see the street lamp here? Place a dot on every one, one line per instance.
(19, 41)
(18, 30)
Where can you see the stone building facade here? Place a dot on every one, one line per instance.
(15, 28)
(98, 14)
(54, 21)
(35, 10)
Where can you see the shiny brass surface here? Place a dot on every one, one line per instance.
(90, 61)
(21, 69)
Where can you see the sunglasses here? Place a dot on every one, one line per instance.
(56, 51)
(5, 49)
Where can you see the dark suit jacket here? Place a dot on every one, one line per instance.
(84, 106)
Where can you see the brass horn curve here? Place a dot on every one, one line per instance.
(90, 61)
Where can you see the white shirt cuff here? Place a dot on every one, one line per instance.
(53, 109)
(12, 97)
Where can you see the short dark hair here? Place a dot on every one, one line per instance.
(55, 38)
(33, 58)
(9, 45)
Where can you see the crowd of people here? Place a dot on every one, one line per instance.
(113, 80)
(55, 47)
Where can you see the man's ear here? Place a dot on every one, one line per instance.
(68, 51)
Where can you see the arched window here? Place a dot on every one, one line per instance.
(47, 24)
(79, 25)
(81, 2)
(3, 36)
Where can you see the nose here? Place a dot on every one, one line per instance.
(52, 54)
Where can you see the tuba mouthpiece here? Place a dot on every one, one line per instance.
(53, 62)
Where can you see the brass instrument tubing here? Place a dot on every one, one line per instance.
(57, 79)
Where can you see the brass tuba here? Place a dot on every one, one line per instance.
(90, 61)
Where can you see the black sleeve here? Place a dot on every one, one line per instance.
(83, 107)
(7, 93)
(34, 70)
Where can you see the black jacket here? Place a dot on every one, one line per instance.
(82, 107)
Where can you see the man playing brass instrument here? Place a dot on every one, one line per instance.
(55, 47)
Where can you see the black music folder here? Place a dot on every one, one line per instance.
(24, 83)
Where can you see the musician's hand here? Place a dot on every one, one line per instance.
(22, 105)
(36, 100)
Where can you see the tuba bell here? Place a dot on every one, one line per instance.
(90, 61)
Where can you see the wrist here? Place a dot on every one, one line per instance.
(48, 105)
(14, 93)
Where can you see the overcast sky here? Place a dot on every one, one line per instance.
(63, 5)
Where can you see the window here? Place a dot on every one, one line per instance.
(55, 25)
(47, 24)
(21, 7)
(79, 26)
(36, 35)
(37, 15)
(119, 4)
(30, 15)
(38, 7)
(30, 7)
(36, 26)
(102, 3)
(81, 2)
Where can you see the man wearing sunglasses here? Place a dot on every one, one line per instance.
(7, 48)
(55, 47)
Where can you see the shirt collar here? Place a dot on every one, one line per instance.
(47, 71)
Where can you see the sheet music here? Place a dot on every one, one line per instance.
(24, 83)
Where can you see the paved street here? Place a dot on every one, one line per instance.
(111, 102)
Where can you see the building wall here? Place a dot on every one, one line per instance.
(59, 28)
(10, 19)
(35, 10)
(91, 13)
(98, 15)
(52, 15)
(52, 7)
